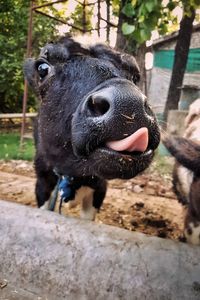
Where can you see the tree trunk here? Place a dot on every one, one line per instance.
(140, 58)
(180, 61)
(129, 45)
(121, 41)
(84, 19)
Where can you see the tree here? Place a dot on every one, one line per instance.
(137, 20)
(180, 59)
(122, 41)
(13, 37)
(11, 53)
(82, 17)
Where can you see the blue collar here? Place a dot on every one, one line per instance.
(64, 188)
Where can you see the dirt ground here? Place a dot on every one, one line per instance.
(145, 203)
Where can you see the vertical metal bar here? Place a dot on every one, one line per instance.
(84, 17)
(28, 53)
(108, 21)
(98, 17)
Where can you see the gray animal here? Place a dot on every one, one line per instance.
(186, 182)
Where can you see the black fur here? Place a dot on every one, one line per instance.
(72, 131)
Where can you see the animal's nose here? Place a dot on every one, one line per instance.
(108, 114)
(97, 105)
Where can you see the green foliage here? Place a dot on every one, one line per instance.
(142, 17)
(10, 147)
(127, 28)
(163, 164)
(14, 15)
(78, 21)
(11, 51)
(115, 7)
(129, 10)
(13, 39)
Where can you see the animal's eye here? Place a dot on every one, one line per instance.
(43, 70)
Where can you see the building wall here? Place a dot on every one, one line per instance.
(158, 79)
(195, 42)
(158, 84)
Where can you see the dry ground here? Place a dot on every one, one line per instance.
(145, 203)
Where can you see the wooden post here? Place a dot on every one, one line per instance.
(28, 53)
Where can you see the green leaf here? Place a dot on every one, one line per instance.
(137, 36)
(171, 5)
(141, 19)
(133, 2)
(196, 3)
(145, 35)
(128, 10)
(163, 29)
(142, 9)
(150, 6)
(127, 28)
(151, 22)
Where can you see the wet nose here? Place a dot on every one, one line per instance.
(97, 105)
(107, 114)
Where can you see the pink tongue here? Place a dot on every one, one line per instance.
(138, 141)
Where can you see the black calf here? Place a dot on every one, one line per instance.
(94, 123)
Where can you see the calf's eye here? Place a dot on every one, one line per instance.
(43, 70)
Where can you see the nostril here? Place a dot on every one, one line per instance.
(98, 105)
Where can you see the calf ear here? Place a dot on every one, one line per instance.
(62, 50)
(30, 74)
(185, 151)
(125, 62)
(130, 65)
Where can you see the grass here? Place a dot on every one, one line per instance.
(162, 164)
(10, 147)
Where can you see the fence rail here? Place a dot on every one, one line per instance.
(17, 115)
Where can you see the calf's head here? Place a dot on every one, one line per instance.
(93, 119)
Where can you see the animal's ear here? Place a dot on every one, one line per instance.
(73, 47)
(125, 62)
(30, 74)
(185, 151)
(61, 51)
(130, 65)
(54, 53)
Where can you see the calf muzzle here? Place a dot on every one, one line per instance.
(113, 112)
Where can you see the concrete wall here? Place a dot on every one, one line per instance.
(46, 256)
(158, 84)
(195, 42)
(158, 79)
